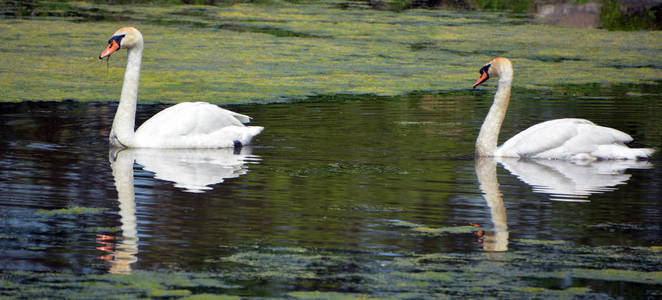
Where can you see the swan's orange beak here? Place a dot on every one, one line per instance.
(112, 47)
(483, 77)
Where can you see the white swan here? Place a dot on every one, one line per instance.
(566, 139)
(185, 125)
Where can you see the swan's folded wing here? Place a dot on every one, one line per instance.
(541, 137)
(240, 117)
(594, 135)
(190, 118)
(562, 137)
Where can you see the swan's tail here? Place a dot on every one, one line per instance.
(643, 152)
(240, 117)
(248, 132)
(619, 151)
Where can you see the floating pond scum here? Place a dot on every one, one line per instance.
(265, 53)
(538, 268)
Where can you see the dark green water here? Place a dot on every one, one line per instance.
(340, 196)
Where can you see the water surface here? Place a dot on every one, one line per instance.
(343, 194)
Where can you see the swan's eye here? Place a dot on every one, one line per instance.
(117, 39)
(485, 69)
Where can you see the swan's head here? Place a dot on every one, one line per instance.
(497, 67)
(125, 37)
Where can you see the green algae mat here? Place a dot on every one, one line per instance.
(534, 269)
(281, 51)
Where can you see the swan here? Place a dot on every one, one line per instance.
(185, 125)
(563, 139)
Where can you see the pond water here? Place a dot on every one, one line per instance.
(366, 189)
(340, 196)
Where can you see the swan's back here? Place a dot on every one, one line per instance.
(571, 139)
(195, 125)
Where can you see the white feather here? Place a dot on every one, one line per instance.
(195, 125)
(571, 139)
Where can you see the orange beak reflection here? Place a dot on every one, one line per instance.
(483, 77)
(112, 47)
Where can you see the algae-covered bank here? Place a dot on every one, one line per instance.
(264, 53)
(363, 184)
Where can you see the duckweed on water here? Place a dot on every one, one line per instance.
(211, 297)
(72, 210)
(618, 275)
(541, 242)
(264, 53)
(328, 295)
(420, 229)
(339, 274)
(105, 230)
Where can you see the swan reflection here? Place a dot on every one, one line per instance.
(572, 181)
(195, 170)
(190, 170)
(497, 239)
(563, 180)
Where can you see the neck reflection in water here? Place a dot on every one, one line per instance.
(497, 239)
(563, 180)
(191, 170)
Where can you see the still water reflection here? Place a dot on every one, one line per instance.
(385, 176)
(562, 180)
(124, 253)
(572, 181)
(191, 170)
(487, 178)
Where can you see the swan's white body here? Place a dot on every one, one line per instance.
(185, 125)
(565, 139)
(570, 139)
(194, 125)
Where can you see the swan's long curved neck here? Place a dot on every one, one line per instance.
(486, 143)
(123, 130)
